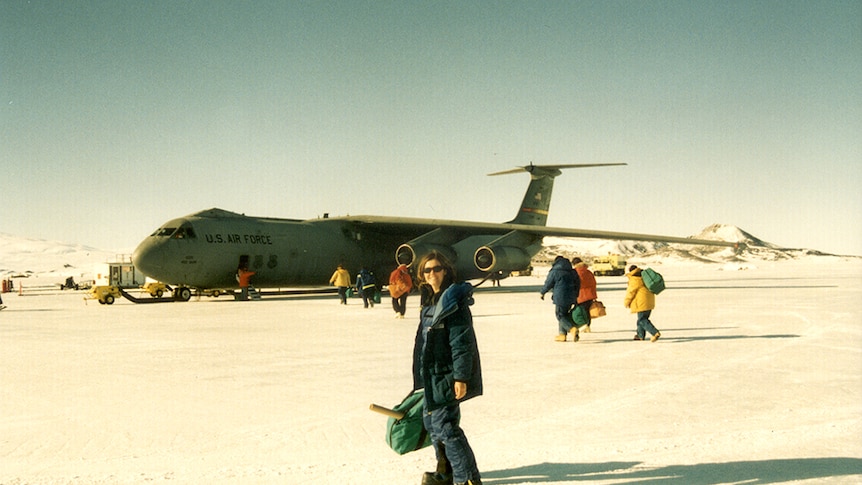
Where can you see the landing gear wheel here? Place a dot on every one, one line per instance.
(183, 294)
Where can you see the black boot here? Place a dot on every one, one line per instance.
(434, 478)
(443, 474)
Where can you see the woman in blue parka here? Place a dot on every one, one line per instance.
(446, 364)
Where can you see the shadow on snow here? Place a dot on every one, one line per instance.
(765, 471)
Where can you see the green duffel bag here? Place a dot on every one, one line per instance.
(408, 433)
(579, 315)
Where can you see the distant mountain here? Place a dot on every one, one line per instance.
(754, 249)
(24, 257)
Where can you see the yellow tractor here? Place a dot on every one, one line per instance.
(105, 294)
(610, 265)
(155, 288)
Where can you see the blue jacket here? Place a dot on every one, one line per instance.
(445, 349)
(365, 279)
(561, 279)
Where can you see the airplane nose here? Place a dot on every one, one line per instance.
(148, 259)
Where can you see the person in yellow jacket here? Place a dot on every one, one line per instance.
(341, 279)
(641, 301)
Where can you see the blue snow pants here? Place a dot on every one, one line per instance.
(442, 425)
(563, 319)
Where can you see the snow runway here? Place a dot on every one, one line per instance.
(757, 378)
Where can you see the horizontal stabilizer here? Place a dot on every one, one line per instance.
(553, 170)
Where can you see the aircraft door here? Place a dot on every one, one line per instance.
(243, 261)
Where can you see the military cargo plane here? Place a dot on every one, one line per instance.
(204, 250)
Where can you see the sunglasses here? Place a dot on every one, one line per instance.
(435, 269)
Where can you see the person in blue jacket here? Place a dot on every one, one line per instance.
(366, 285)
(564, 282)
(446, 364)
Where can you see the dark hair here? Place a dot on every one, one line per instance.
(576, 260)
(444, 261)
(632, 268)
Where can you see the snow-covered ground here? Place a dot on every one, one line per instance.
(757, 379)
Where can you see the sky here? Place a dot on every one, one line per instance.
(116, 117)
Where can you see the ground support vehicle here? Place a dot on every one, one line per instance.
(104, 293)
(156, 288)
(610, 265)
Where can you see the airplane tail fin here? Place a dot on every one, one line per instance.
(537, 200)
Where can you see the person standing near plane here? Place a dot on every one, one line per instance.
(587, 293)
(561, 279)
(341, 280)
(641, 301)
(366, 286)
(243, 275)
(400, 285)
(446, 364)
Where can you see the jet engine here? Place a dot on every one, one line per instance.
(409, 253)
(439, 239)
(501, 258)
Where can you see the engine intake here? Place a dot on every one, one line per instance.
(501, 258)
(409, 253)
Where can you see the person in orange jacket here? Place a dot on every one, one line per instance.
(243, 275)
(400, 285)
(587, 294)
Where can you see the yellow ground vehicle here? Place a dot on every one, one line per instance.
(155, 288)
(105, 294)
(610, 265)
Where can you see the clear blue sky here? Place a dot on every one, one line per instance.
(118, 116)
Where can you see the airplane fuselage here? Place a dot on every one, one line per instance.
(203, 250)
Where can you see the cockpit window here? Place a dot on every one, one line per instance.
(184, 232)
(164, 231)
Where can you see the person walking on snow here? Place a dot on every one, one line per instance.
(400, 285)
(341, 280)
(561, 279)
(587, 293)
(641, 301)
(366, 286)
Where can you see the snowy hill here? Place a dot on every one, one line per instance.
(753, 249)
(55, 260)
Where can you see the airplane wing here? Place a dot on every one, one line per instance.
(397, 224)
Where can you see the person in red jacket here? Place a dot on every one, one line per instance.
(587, 294)
(243, 275)
(400, 285)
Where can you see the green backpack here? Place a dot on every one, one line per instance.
(652, 280)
